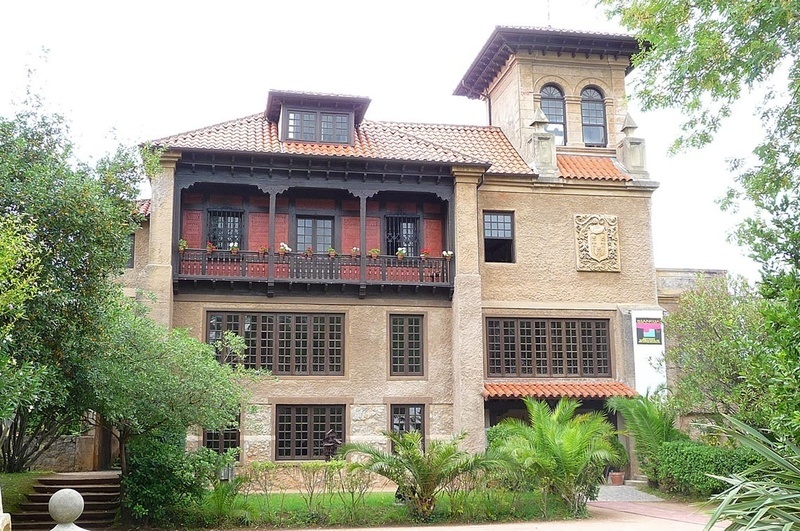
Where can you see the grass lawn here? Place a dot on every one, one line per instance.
(14, 487)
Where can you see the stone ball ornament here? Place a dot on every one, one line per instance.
(66, 506)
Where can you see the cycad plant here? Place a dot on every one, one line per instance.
(765, 496)
(651, 423)
(420, 471)
(567, 453)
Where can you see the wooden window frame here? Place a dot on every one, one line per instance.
(548, 348)
(305, 435)
(315, 133)
(276, 343)
(395, 410)
(223, 440)
(593, 115)
(552, 103)
(314, 233)
(403, 355)
(489, 239)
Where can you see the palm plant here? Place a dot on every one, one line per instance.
(567, 453)
(650, 423)
(420, 471)
(765, 496)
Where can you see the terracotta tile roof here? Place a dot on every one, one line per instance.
(448, 144)
(143, 207)
(482, 142)
(589, 167)
(557, 390)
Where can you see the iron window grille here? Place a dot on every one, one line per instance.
(402, 231)
(548, 348)
(225, 227)
(284, 343)
(406, 345)
(301, 429)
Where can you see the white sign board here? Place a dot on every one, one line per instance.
(648, 349)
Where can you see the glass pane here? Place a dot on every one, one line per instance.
(497, 226)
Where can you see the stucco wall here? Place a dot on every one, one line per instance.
(366, 388)
(545, 271)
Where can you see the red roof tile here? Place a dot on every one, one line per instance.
(589, 167)
(557, 390)
(448, 144)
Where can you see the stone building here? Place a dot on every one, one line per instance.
(513, 259)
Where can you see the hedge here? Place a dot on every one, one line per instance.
(684, 467)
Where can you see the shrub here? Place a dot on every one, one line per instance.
(163, 478)
(685, 467)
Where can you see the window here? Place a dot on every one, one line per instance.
(547, 348)
(316, 233)
(593, 117)
(406, 345)
(284, 343)
(402, 231)
(225, 228)
(300, 430)
(553, 107)
(223, 440)
(408, 417)
(317, 126)
(498, 237)
(132, 250)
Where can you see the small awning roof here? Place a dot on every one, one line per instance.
(591, 390)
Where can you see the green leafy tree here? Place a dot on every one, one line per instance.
(565, 452)
(420, 471)
(146, 378)
(651, 423)
(81, 218)
(716, 335)
(700, 57)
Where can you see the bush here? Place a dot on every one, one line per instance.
(163, 479)
(684, 467)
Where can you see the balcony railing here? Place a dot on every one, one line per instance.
(315, 268)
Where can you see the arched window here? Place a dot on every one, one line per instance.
(553, 108)
(593, 118)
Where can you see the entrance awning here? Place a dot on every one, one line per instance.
(592, 390)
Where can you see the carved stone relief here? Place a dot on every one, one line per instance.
(597, 242)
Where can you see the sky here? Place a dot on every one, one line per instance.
(123, 71)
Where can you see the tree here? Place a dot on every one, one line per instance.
(81, 219)
(420, 471)
(717, 333)
(146, 378)
(700, 57)
(565, 452)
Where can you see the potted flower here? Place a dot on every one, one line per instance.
(182, 245)
(354, 252)
(447, 255)
(234, 247)
(374, 252)
(283, 249)
(309, 251)
(401, 253)
(425, 253)
(331, 252)
(262, 250)
(210, 247)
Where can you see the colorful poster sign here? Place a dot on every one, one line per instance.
(649, 331)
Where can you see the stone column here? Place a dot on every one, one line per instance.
(467, 332)
(164, 222)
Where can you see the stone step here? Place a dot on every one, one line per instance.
(44, 516)
(100, 525)
(44, 497)
(85, 488)
(42, 506)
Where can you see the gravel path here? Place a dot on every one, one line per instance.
(625, 493)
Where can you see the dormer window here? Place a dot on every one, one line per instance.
(553, 107)
(318, 126)
(593, 118)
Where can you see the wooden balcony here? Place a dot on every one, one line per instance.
(315, 269)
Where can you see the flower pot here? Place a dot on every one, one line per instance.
(423, 256)
(281, 253)
(234, 251)
(616, 478)
(374, 256)
(332, 254)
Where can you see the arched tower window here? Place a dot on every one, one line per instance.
(593, 118)
(553, 107)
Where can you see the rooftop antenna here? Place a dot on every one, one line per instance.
(548, 13)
